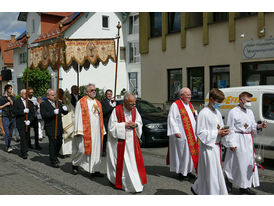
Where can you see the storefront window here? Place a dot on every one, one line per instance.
(174, 83)
(219, 77)
(268, 106)
(258, 73)
(196, 83)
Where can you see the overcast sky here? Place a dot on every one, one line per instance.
(10, 25)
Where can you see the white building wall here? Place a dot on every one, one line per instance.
(132, 67)
(89, 26)
(19, 68)
(37, 26)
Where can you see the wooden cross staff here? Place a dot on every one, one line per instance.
(58, 77)
(27, 79)
(118, 37)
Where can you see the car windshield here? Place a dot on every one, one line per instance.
(268, 106)
(146, 107)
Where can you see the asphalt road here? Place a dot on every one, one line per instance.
(34, 176)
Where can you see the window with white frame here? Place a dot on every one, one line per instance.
(22, 58)
(133, 24)
(133, 84)
(105, 22)
(134, 55)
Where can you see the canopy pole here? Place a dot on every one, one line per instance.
(78, 69)
(118, 37)
(27, 80)
(58, 77)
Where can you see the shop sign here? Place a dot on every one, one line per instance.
(256, 49)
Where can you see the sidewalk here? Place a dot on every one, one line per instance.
(17, 180)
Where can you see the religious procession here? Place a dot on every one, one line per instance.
(108, 138)
(88, 129)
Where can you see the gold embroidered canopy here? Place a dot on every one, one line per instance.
(79, 51)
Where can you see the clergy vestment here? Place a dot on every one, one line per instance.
(125, 166)
(210, 179)
(68, 125)
(184, 151)
(239, 165)
(89, 131)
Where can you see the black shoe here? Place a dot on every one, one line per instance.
(193, 192)
(182, 177)
(38, 147)
(55, 164)
(30, 146)
(97, 174)
(246, 191)
(75, 170)
(191, 176)
(25, 156)
(228, 185)
(61, 156)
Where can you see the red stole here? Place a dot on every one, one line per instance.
(192, 143)
(121, 150)
(86, 124)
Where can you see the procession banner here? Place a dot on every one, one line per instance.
(80, 51)
(46, 55)
(91, 50)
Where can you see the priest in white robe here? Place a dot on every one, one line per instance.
(210, 180)
(183, 150)
(89, 131)
(239, 165)
(125, 166)
(68, 124)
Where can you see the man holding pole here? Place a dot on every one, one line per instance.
(49, 112)
(21, 122)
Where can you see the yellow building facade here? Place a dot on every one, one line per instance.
(204, 50)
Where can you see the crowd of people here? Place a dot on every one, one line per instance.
(87, 130)
(195, 144)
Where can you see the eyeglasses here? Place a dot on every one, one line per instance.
(132, 105)
(92, 90)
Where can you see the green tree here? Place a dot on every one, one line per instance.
(39, 80)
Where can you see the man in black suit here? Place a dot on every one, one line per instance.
(75, 97)
(21, 123)
(34, 123)
(49, 112)
(107, 105)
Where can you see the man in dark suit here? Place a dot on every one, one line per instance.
(75, 97)
(21, 123)
(34, 123)
(49, 112)
(107, 105)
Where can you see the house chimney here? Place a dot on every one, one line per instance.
(12, 38)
